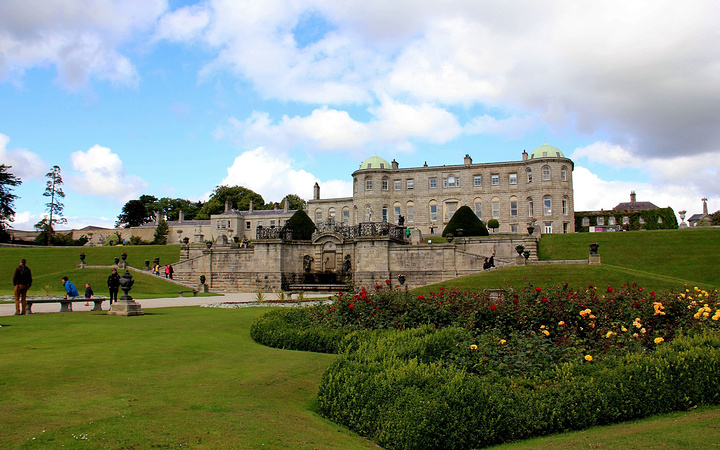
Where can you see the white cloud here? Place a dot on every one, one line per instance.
(103, 173)
(274, 178)
(512, 127)
(25, 164)
(183, 24)
(80, 39)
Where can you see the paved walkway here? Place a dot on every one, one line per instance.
(9, 309)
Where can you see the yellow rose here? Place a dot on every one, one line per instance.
(546, 332)
(473, 347)
(588, 357)
(659, 340)
(623, 329)
(561, 323)
(502, 341)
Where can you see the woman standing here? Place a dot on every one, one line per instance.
(113, 283)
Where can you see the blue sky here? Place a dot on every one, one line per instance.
(173, 98)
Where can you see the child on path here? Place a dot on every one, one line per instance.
(88, 293)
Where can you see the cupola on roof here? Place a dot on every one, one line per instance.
(546, 151)
(375, 162)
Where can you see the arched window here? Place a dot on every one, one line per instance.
(546, 173)
(346, 216)
(478, 207)
(547, 205)
(513, 207)
(331, 213)
(397, 212)
(495, 208)
(410, 209)
(385, 213)
(563, 173)
(433, 211)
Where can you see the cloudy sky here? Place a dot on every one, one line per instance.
(172, 98)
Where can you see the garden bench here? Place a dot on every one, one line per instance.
(194, 293)
(65, 303)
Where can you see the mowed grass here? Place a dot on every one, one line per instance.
(49, 265)
(175, 377)
(657, 260)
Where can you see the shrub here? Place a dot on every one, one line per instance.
(494, 224)
(301, 225)
(291, 328)
(467, 222)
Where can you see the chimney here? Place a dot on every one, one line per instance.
(524, 155)
(316, 191)
(286, 207)
(395, 165)
(251, 206)
(705, 210)
(181, 216)
(468, 160)
(632, 197)
(228, 205)
(159, 217)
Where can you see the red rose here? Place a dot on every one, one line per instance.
(636, 304)
(538, 289)
(493, 307)
(652, 294)
(609, 289)
(421, 297)
(351, 305)
(387, 281)
(543, 300)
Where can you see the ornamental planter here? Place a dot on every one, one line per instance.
(519, 249)
(208, 244)
(526, 254)
(594, 248)
(401, 279)
(82, 256)
(531, 230)
(449, 238)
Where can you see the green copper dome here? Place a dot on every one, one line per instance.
(375, 162)
(546, 151)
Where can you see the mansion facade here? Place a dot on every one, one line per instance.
(538, 190)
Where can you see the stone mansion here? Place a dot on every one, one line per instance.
(538, 187)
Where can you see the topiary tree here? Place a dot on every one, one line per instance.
(465, 219)
(161, 232)
(494, 224)
(301, 225)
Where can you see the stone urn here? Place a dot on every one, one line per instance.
(117, 260)
(449, 238)
(208, 244)
(82, 257)
(531, 230)
(594, 248)
(401, 278)
(202, 279)
(526, 254)
(186, 240)
(147, 264)
(123, 256)
(519, 249)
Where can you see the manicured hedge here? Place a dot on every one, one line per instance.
(291, 328)
(390, 390)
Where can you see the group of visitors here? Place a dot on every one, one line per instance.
(489, 262)
(22, 281)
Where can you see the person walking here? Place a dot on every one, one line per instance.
(113, 283)
(492, 260)
(167, 271)
(171, 271)
(22, 280)
(71, 291)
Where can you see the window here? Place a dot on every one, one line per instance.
(513, 178)
(272, 224)
(384, 184)
(396, 209)
(565, 227)
(626, 220)
(247, 225)
(346, 217)
(513, 207)
(450, 181)
(433, 213)
(546, 173)
(586, 221)
(318, 217)
(433, 183)
(495, 180)
(410, 184)
(495, 208)
(259, 224)
(368, 184)
(601, 221)
(548, 228)
(331, 213)
(410, 212)
(642, 220)
(565, 206)
(529, 175)
(451, 208)
(547, 205)
(478, 208)
(611, 220)
(477, 180)
(513, 228)
(531, 207)
(384, 213)
(563, 174)
(397, 185)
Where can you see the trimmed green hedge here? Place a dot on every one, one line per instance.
(291, 328)
(391, 390)
(649, 216)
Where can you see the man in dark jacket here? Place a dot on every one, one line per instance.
(22, 280)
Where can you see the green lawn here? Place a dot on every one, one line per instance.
(174, 377)
(49, 265)
(657, 260)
